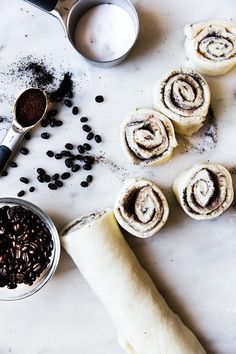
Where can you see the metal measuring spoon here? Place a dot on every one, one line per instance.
(22, 122)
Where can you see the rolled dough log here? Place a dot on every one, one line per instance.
(145, 323)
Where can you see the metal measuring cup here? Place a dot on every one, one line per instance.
(77, 11)
(17, 131)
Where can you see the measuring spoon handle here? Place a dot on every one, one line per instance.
(46, 5)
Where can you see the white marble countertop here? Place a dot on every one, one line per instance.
(192, 263)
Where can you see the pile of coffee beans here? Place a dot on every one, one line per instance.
(25, 246)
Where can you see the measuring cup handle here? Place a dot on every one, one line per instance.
(5, 154)
(46, 5)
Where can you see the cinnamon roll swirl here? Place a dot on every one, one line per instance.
(141, 208)
(147, 137)
(204, 191)
(211, 46)
(183, 96)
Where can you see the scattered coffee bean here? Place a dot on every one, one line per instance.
(27, 136)
(32, 189)
(58, 156)
(84, 184)
(68, 103)
(52, 113)
(21, 194)
(79, 157)
(1, 119)
(52, 186)
(24, 151)
(83, 119)
(45, 135)
(53, 123)
(86, 128)
(13, 164)
(98, 139)
(75, 110)
(69, 146)
(99, 99)
(55, 176)
(89, 159)
(41, 171)
(87, 147)
(65, 175)
(65, 153)
(58, 183)
(68, 163)
(75, 168)
(24, 180)
(44, 123)
(41, 179)
(72, 157)
(59, 123)
(50, 153)
(47, 178)
(4, 173)
(89, 178)
(80, 149)
(90, 136)
(87, 167)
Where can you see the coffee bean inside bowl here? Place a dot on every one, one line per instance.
(25, 246)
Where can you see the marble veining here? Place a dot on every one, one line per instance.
(192, 263)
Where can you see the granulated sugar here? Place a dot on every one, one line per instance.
(104, 33)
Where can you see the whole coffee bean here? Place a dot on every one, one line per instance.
(90, 136)
(98, 138)
(80, 149)
(13, 164)
(55, 176)
(4, 173)
(65, 175)
(32, 189)
(59, 123)
(41, 171)
(58, 183)
(53, 123)
(83, 119)
(75, 168)
(47, 178)
(50, 153)
(69, 146)
(21, 194)
(86, 128)
(45, 135)
(84, 184)
(66, 153)
(87, 147)
(70, 94)
(89, 178)
(87, 167)
(41, 179)
(52, 186)
(68, 163)
(58, 156)
(79, 157)
(27, 136)
(68, 103)
(52, 113)
(75, 110)
(44, 123)
(24, 151)
(24, 180)
(89, 159)
(99, 99)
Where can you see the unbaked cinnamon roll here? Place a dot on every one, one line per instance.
(204, 191)
(147, 137)
(183, 96)
(141, 208)
(211, 46)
